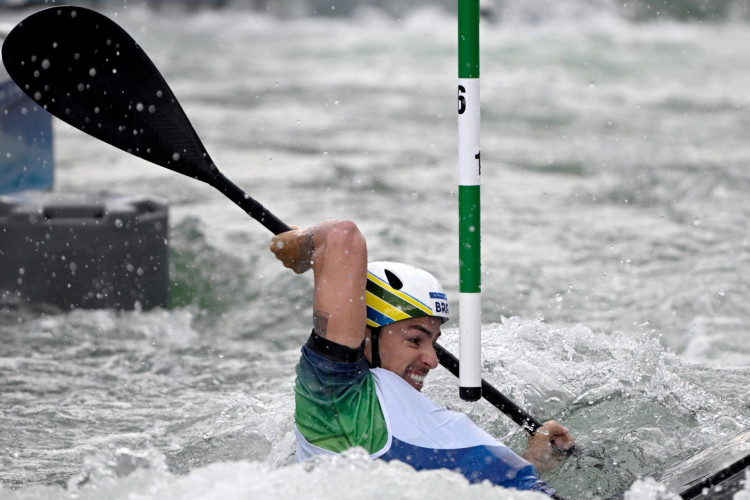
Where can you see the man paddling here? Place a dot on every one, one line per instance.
(362, 369)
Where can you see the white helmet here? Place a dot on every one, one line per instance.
(399, 291)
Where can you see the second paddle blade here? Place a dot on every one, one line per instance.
(86, 70)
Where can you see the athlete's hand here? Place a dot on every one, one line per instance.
(294, 249)
(548, 445)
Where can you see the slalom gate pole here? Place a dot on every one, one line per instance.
(469, 171)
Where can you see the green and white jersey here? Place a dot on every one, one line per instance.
(337, 407)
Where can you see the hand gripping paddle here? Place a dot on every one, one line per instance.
(86, 70)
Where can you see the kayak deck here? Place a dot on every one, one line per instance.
(719, 469)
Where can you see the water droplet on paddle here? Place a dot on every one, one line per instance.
(139, 106)
(45, 64)
(175, 156)
(92, 72)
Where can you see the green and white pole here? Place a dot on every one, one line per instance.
(469, 171)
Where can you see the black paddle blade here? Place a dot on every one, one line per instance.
(86, 70)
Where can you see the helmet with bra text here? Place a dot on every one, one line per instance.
(398, 291)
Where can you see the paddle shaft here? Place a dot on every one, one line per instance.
(492, 395)
(251, 206)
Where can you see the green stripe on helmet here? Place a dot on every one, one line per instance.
(394, 300)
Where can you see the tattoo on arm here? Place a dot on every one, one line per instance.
(320, 323)
(310, 244)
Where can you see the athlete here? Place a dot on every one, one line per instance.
(362, 369)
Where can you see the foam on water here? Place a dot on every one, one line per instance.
(121, 474)
(125, 474)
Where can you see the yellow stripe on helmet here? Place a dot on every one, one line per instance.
(408, 298)
(385, 308)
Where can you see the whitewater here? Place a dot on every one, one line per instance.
(614, 241)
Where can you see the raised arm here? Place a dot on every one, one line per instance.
(337, 253)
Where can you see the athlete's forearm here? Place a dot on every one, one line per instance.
(339, 262)
(337, 253)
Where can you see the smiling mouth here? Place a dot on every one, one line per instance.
(416, 379)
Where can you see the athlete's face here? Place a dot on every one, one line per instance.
(406, 348)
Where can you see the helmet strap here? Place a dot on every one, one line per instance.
(375, 347)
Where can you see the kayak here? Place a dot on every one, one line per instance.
(716, 472)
